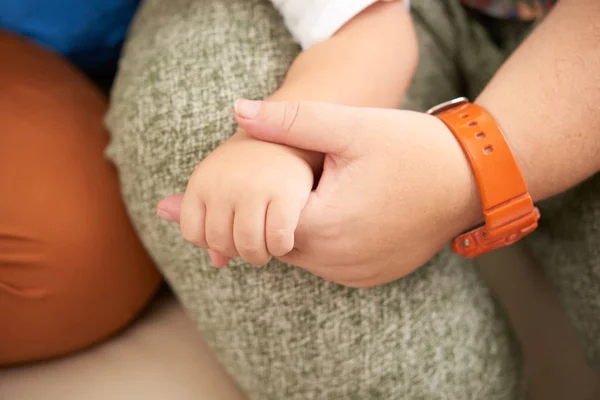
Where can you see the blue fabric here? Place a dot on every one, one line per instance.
(88, 32)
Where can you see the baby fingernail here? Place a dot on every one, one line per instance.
(163, 214)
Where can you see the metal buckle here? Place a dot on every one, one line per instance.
(440, 108)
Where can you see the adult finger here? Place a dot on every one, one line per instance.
(320, 127)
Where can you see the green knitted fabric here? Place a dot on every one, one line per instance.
(567, 244)
(281, 332)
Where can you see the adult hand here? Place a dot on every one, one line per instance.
(396, 187)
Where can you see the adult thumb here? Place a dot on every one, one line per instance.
(320, 127)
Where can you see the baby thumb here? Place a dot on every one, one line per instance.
(169, 208)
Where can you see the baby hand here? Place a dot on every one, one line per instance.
(245, 199)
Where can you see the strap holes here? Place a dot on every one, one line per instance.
(463, 116)
(488, 150)
(473, 124)
(480, 135)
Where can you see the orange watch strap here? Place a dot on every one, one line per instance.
(507, 205)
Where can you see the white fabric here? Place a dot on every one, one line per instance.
(312, 21)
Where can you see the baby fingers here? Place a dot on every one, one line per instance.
(219, 230)
(282, 219)
(249, 232)
(193, 214)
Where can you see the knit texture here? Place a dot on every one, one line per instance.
(567, 244)
(281, 332)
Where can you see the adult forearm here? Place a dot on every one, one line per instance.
(546, 98)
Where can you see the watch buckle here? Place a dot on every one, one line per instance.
(447, 105)
(484, 239)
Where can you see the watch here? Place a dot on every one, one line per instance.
(507, 205)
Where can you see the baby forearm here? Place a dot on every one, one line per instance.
(547, 99)
(368, 62)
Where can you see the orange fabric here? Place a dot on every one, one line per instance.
(72, 271)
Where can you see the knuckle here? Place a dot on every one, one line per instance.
(197, 174)
(191, 234)
(252, 253)
(216, 241)
(220, 248)
(277, 235)
(279, 242)
(290, 114)
(191, 225)
(214, 233)
(248, 250)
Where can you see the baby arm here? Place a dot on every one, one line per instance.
(368, 62)
(245, 198)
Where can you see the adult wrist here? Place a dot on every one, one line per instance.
(509, 123)
(469, 211)
(505, 200)
(460, 195)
